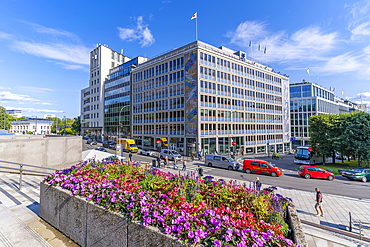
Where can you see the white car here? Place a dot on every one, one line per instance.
(147, 152)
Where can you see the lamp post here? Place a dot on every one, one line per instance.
(36, 124)
(119, 123)
(4, 117)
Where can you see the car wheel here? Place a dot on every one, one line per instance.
(230, 168)
(330, 178)
(307, 176)
(364, 179)
(273, 174)
(210, 164)
(248, 171)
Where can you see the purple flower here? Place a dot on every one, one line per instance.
(254, 234)
(191, 234)
(229, 231)
(242, 244)
(174, 227)
(155, 214)
(187, 226)
(168, 230)
(228, 238)
(260, 242)
(217, 243)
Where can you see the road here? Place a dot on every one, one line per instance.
(290, 178)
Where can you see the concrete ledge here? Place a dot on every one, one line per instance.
(297, 235)
(89, 224)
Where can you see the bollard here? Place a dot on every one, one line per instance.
(20, 177)
(350, 222)
(154, 163)
(360, 230)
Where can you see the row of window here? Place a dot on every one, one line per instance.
(303, 105)
(227, 101)
(300, 118)
(96, 73)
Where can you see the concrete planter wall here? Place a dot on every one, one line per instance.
(89, 224)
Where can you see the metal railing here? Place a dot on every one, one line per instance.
(360, 223)
(21, 170)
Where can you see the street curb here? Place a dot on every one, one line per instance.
(332, 229)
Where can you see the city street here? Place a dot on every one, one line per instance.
(289, 180)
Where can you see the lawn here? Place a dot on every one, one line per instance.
(339, 165)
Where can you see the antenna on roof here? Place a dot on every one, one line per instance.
(121, 51)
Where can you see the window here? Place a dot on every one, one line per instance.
(112, 64)
(97, 115)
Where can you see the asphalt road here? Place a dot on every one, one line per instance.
(290, 178)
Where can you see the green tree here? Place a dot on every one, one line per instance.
(8, 119)
(76, 125)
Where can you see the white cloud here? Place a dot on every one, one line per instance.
(5, 35)
(33, 110)
(73, 66)
(359, 19)
(8, 96)
(68, 53)
(309, 43)
(36, 88)
(4, 88)
(41, 29)
(141, 32)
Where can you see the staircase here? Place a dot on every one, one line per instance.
(20, 224)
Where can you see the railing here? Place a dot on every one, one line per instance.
(21, 170)
(352, 221)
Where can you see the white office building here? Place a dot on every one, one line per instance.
(15, 113)
(102, 59)
(39, 126)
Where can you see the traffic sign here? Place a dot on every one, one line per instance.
(65, 131)
(158, 142)
(292, 139)
(268, 144)
(310, 150)
(58, 129)
(233, 143)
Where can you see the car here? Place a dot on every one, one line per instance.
(261, 167)
(101, 149)
(170, 154)
(360, 173)
(308, 172)
(91, 141)
(221, 161)
(147, 152)
(109, 144)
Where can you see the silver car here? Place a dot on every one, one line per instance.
(221, 161)
(147, 152)
(170, 154)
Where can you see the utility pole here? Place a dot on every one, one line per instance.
(56, 129)
(4, 117)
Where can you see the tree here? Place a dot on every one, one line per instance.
(8, 119)
(76, 125)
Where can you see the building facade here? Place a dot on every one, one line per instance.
(38, 126)
(49, 115)
(102, 59)
(307, 99)
(117, 100)
(15, 113)
(200, 97)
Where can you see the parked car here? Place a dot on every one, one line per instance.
(109, 144)
(308, 172)
(101, 149)
(362, 174)
(91, 141)
(221, 161)
(147, 152)
(171, 154)
(261, 167)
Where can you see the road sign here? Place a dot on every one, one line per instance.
(158, 142)
(65, 131)
(268, 144)
(58, 129)
(292, 139)
(310, 150)
(233, 143)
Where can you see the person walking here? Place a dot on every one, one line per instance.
(200, 171)
(165, 162)
(184, 165)
(277, 155)
(130, 157)
(258, 183)
(319, 202)
(174, 164)
(158, 161)
(273, 155)
(192, 156)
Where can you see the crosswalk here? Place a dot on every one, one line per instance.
(190, 167)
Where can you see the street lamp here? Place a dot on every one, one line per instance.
(119, 122)
(4, 117)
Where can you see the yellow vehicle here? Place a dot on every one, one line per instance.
(128, 145)
(164, 142)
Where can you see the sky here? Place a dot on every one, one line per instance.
(45, 45)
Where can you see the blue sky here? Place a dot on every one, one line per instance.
(45, 44)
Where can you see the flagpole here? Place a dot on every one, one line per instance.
(196, 28)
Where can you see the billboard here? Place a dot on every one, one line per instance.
(191, 94)
(286, 114)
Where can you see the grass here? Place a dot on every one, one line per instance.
(339, 165)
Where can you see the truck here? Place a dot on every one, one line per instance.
(128, 145)
(164, 142)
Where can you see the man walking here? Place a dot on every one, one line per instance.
(130, 157)
(174, 164)
(184, 165)
(273, 155)
(165, 162)
(200, 171)
(319, 202)
(258, 183)
(158, 161)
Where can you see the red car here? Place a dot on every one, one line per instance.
(262, 167)
(315, 172)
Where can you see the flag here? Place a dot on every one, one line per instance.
(250, 43)
(194, 16)
(259, 46)
(344, 94)
(308, 71)
(264, 50)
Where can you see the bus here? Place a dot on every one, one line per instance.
(304, 157)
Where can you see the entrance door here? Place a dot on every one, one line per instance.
(206, 149)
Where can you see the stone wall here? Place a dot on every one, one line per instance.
(297, 233)
(57, 152)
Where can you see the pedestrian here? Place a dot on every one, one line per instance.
(159, 162)
(277, 155)
(192, 156)
(258, 183)
(184, 165)
(90, 146)
(174, 164)
(319, 202)
(165, 162)
(200, 171)
(130, 157)
(273, 155)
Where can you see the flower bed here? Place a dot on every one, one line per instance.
(212, 213)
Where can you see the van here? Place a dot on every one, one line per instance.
(221, 161)
(128, 145)
(164, 142)
(261, 167)
(170, 154)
